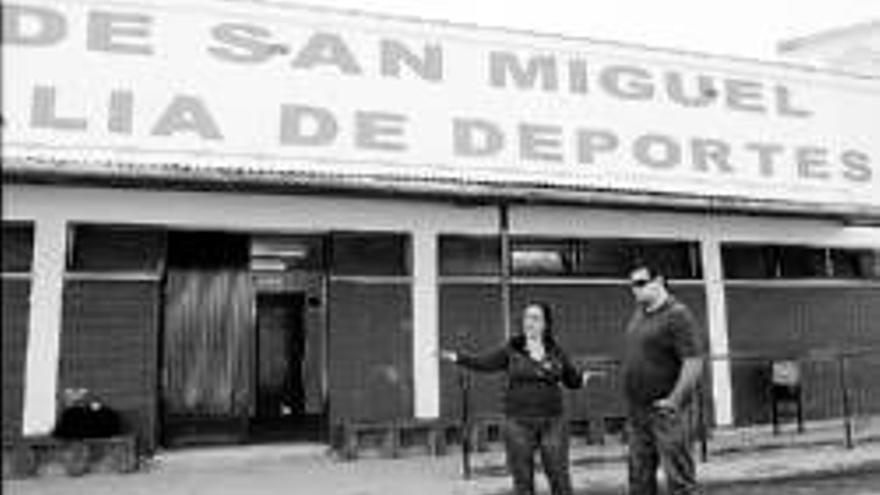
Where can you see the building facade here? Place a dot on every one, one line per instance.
(239, 221)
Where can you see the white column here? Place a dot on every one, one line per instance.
(44, 326)
(716, 308)
(426, 366)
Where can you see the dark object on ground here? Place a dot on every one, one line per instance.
(88, 420)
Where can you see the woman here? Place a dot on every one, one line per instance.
(535, 367)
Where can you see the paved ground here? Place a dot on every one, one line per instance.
(273, 470)
(742, 461)
(851, 484)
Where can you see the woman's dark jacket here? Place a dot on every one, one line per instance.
(533, 388)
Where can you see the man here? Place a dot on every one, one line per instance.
(662, 366)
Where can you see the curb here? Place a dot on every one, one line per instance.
(814, 471)
(722, 452)
(862, 467)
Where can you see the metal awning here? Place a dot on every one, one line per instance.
(181, 176)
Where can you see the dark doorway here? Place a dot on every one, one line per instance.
(280, 347)
(281, 412)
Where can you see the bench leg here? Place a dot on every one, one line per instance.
(24, 463)
(392, 442)
(76, 457)
(475, 437)
(125, 457)
(436, 438)
(349, 443)
(800, 414)
(596, 431)
(774, 413)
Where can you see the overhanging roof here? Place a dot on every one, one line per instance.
(180, 176)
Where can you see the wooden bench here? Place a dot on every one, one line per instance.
(393, 436)
(485, 430)
(613, 426)
(590, 429)
(29, 456)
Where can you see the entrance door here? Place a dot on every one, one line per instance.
(208, 323)
(243, 341)
(289, 365)
(280, 349)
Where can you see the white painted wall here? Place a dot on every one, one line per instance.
(426, 321)
(716, 315)
(549, 220)
(236, 211)
(44, 324)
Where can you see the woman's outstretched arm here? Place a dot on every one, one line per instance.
(493, 360)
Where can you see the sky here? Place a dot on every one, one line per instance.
(746, 28)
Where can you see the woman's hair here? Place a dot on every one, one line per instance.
(549, 338)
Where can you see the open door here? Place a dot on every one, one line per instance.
(289, 368)
(280, 350)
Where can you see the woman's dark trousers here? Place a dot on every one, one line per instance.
(549, 436)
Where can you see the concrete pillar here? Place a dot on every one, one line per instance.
(44, 326)
(426, 367)
(716, 308)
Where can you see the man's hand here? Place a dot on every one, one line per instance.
(684, 386)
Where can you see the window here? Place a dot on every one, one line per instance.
(109, 248)
(18, 247)
(611, 258)
(369, 254)
(803, 262)
(284, 253)
(679, 260)
(467, 255)
(603, 258)
(194, 249)
(751, 261)
(856, 263)
(540, 257)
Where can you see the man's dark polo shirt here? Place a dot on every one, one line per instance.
(657, 344)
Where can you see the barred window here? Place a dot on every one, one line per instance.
(603, 258)
(18, 247)
(366, 253)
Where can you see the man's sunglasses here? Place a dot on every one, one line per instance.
(639, 283)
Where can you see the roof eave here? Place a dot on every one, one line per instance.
(454, 191)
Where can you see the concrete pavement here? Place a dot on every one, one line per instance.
(303, 469)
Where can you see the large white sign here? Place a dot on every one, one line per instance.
(263, 87)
